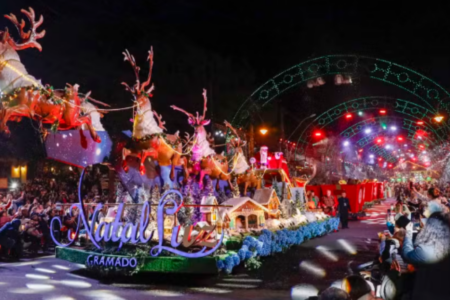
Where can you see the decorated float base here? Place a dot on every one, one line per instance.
(168, 264)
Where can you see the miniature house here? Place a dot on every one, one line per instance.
(245, 214)
(209, 214)
(269, 199)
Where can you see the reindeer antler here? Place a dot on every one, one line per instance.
(160, 121)
(146, 83)
(138, 88)
(205, 102)
(182, 110)
(29, 38)
(132, 60)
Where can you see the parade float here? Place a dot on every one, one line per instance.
(201, 223)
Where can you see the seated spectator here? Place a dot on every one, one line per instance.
(432, 243)
(333, 293)
(358, 288)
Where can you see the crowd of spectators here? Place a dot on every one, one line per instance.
(26, 211)
(413, 257)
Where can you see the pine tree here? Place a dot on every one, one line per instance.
(208, 189)
(276, 188)
(221, 197)
(197, 199)
(298, 201)
(236, 192)
(156, 195)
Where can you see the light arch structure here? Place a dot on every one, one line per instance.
(431, 94)
(413, 112)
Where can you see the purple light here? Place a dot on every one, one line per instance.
(346, 143)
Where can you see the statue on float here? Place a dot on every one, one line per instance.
(246, 176)
(203, 159)
(148, 138)
(24, 96)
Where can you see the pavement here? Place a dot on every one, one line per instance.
(316, 263)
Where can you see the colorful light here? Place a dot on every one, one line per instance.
(360, 113)
(379, 140)
(368, 130)
(371, 156)
(389, 165)
(400, 139)
(439, 118)
(263, 131)
(360, 150)
(420, 123)
(317, 134)
(393, 128)
(346, 143)
(382, 111)
(348, 116)
(380, 159)
(421, 146)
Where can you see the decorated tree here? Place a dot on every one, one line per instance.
(156, 195)
(276, 188)
(236, 192)
(208, 189)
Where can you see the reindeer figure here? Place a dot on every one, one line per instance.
(201, 147)
(245, 177)
(148, 138)
(62, 109)
(204, 159)
(12, 72)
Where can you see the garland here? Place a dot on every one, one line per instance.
(148, 137)
(31, 88)
(271, 242)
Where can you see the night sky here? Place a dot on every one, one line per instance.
(228, 47)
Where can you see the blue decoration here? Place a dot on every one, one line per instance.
(271, 242)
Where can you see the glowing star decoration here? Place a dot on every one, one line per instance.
(116, 231)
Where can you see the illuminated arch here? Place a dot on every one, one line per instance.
(431, 94)
(414, 111)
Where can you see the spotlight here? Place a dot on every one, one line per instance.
(438, 118)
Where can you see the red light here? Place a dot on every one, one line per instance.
(269, 158)
(400, 138)
(421, 146)
(360, 150)
(317, 134)
(414, 159)
(348, 116)
(380, 159)
(419, 122)
(382, 111)
(390, 165)
(379, 141)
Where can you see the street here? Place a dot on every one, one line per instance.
(318, 262)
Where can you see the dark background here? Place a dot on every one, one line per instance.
(228, 47)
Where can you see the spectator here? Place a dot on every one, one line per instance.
(432, 243)
(328, 203)
(333, 293)
(357, 287)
